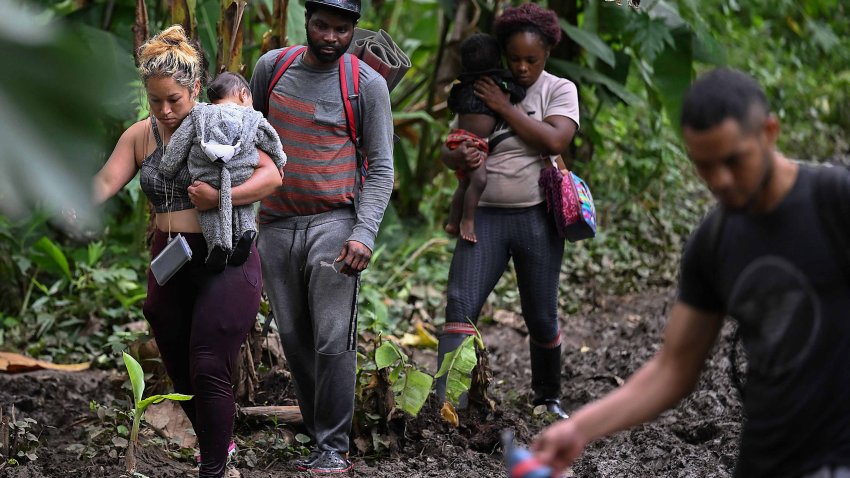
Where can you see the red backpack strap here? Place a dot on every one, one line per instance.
(349, 80)
(281, 64)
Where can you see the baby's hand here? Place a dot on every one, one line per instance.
(472, 156)
(203, 196)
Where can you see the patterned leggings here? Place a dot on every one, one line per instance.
(528, 236)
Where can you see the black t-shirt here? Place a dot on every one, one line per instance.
(779, 276)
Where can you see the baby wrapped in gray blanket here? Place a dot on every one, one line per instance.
(219, 143)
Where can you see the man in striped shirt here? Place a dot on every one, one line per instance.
(318, 230)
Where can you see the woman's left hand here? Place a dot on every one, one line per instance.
(203, 196)
(494, 97)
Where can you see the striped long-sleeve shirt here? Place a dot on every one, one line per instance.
(306, 110)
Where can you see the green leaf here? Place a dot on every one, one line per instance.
(673, 73)
(154, 399)
(396, 372)
(822, 35)
(137, 377)
(412, 391)
(707, 49)
(302, 438)
(54, 131)
(295, 30)
(457, 366)
(649, 36)
(590, 42)
(95, 252)
(387, 354)
(414, 115)
(668, 12)
(52, 251)
(582, 74)
(123, 430)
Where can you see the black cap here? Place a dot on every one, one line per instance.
(349, 6)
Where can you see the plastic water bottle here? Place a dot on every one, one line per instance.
(521, 462)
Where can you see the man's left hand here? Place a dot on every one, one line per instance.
(355, 257)
(203, 196)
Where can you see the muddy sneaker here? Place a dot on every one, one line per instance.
(306, 462)
(232, 472)
(331, 462)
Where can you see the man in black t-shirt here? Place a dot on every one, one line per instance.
(768, 259)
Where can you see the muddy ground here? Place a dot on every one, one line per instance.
(603, 346)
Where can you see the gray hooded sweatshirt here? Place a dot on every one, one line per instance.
(220, 143)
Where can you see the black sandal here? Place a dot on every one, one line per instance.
(331, 462)
(305, 463)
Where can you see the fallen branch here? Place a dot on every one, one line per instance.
(289, 414)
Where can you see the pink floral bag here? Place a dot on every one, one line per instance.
(568, 198)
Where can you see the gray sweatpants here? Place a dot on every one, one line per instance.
(316, 311)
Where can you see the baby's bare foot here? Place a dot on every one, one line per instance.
(451, 229)
(467, 230)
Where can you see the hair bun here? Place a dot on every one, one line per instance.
(173, 35)
(171, 53)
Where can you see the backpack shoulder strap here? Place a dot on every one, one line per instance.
(716, 220)
(349, 82)
(834, 210)
(282, 63)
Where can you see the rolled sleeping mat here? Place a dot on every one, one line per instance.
(380, 52)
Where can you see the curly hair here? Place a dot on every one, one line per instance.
(528, 17)
(172, 54)
(480, 52)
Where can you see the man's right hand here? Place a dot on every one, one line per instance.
(559, 445)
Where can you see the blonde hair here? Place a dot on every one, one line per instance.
(172, 54)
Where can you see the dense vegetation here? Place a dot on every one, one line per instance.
(70, 295)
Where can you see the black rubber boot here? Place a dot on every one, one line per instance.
(242, 248)
(546, 378)
(448, 343)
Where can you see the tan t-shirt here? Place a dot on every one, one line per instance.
(513, 167)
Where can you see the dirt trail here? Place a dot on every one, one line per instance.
(601, 348)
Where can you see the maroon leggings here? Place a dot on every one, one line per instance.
(199, 320)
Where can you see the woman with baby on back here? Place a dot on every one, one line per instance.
(199, 317)
(511, 220)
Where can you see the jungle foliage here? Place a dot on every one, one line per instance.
(71, 295)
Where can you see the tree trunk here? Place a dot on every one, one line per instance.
(229, 57)
(140, 28)
(183, 13)
(277, 38)
(567, 10)
(447, 67)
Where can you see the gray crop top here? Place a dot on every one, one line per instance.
(160, 191)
